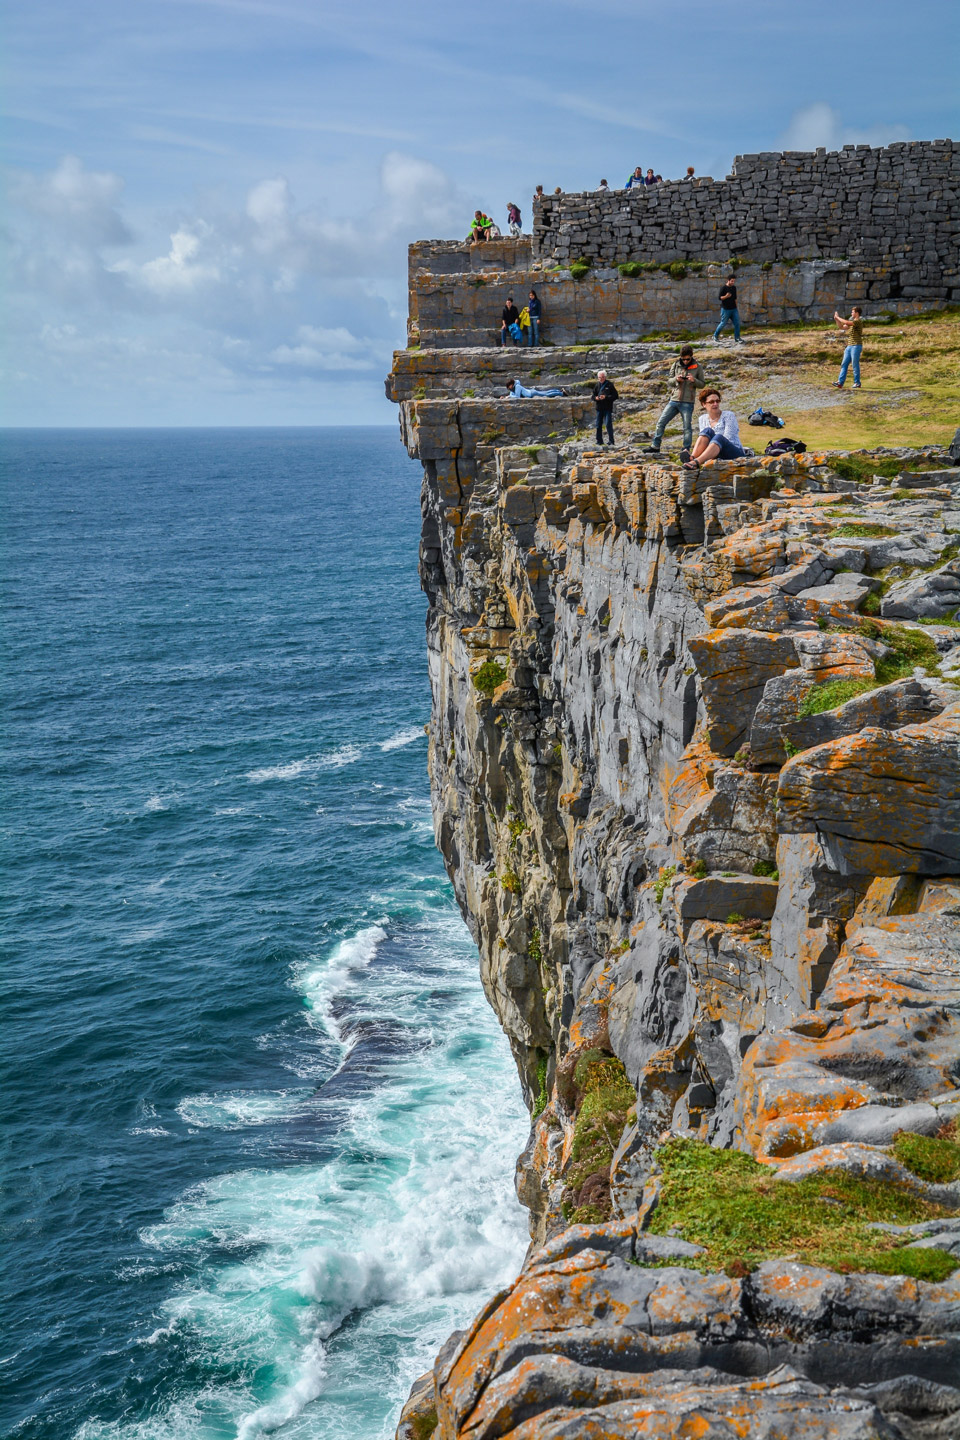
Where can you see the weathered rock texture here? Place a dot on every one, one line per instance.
(679, 844)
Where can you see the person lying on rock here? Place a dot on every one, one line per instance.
(685, 376)
(719, 437)
(516, 391)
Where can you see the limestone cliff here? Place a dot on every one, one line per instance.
(696, 780)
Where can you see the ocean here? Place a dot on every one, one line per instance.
(260, 1121)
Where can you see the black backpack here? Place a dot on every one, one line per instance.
(765, 417)
(785, 447)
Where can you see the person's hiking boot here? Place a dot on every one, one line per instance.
(684, 455)
(651, 450)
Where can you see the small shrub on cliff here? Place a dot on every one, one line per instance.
(535, 947)
(667, 873)
(511, 881)
(606, 1100)
(766, 870)
(676, 270)
(908, 649)
(580, 269)
(489, 677)
(540, 1104)
(698, 870)
(727, 1202)
(862, 529)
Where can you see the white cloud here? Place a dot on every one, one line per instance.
(73, 197)
(819, 124)
(320, 348)
(179, 270)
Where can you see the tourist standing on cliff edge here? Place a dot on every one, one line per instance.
(604, 396)
(686, 376)
(729, 314)
(534, 310)
(853, 349)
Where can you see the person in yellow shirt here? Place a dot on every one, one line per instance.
(854, 346)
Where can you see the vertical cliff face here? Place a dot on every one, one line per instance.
(698, 797)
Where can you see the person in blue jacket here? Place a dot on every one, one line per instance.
(535, 310)
(635, 179)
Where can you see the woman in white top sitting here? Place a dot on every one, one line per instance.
(719, 437)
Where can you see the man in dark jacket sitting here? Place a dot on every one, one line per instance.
(604, 395)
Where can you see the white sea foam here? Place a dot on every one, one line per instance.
(236, 1109)
(407, 736)
(407, 1227)
(309, 765)
(155, 803)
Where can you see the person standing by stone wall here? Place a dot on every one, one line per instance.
(604, 397)
(510, 315)
(636, 179)
(854, 346)
(686, 375)
(535, 310)
(729, 314)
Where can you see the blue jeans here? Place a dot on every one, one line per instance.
(683, 408)
(728, 317)
(728, 451)
(604, 416)
(506, 338)
(533, 333)
(850, 355)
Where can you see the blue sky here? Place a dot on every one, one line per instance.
(209, 200)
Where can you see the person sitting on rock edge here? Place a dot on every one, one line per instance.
(719, 437)
(481, 228)
(604, 397)
(686, 375)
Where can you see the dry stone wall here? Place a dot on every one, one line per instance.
(894, 210)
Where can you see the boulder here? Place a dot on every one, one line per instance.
(719, 896)
(825, 656)
(932, 595)
(734, 667)
(754, 607)
(734, 825)
(905, 702)
(884, 802)
(779, 704)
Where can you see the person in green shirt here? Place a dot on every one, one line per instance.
(481, 227)
(854, 347)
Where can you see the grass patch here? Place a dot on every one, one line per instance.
(423, 1426)
(490, 677)
(831, 695)
(728, 1203)
(580, 269)
(540, 1104)
(931, 1158)
(605, 1098)
(535, 947)
(908, 649)
(766, 870)
(861, 529)
(511, 881)
(531, 452)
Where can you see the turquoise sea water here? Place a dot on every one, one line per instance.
(260, 1123)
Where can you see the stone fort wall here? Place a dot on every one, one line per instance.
(894, 211)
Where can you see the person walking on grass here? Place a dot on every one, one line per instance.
(854, 347)
(719, 437)
(604, 397)
(685, 376)
(729, 314)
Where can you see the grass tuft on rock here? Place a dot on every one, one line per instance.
(936, 1159)
(735, 1208)
(831, 695)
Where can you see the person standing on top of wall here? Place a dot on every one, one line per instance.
(509, 316)
(729, 314)
(604, 396)
(635, 179)
(535, 310)
(514, 222)
(854, 346)
(686, 375)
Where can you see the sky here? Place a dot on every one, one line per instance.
(208, 202)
